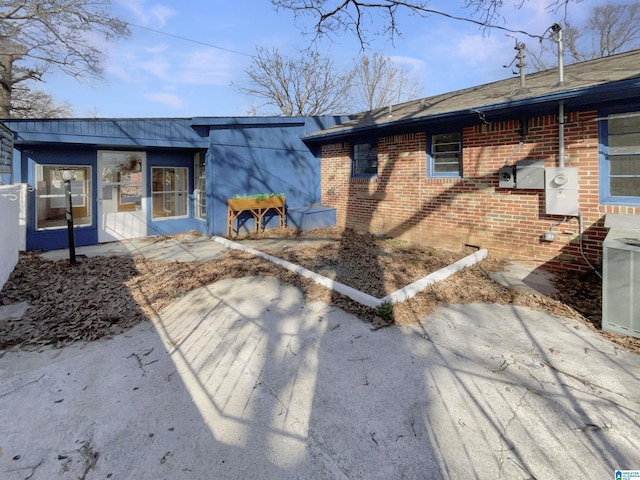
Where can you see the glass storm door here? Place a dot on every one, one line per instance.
(122, 206)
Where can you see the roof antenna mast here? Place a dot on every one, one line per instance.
(557, 29)
(521, 64)
(520, 47)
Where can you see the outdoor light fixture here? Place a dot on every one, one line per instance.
(67, 175)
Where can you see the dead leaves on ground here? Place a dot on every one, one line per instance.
(103, 296)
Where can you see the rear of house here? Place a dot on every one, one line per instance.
(529, 173)
(141, 177)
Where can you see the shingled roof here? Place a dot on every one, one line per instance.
(580, 79)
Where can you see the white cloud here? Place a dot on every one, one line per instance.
(205, 67)
(156, 15)
(476, 49)
(157, 49)
(157, 67)
(170, 99)
(413, 64)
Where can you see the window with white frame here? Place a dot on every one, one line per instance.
(199, 186)
(364, 160)
(51, 203)
(445, 159)
(621, 166)
(169, 192)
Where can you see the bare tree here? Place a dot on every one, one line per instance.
(29, 103)
(336, 16)
(614, 28)
(37, 35)
(307, 85)
(610, 29)
(378, 82)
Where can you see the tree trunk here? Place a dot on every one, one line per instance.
(6, 84)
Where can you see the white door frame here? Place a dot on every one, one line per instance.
(121, 220)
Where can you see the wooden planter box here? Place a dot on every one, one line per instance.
(258, 207)
(237, 204)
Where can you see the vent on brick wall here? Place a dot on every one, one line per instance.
(507, 125)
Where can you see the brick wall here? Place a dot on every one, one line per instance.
(450, 213)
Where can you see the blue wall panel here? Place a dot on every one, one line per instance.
(269, 157)
(247, 155)
(48, 155)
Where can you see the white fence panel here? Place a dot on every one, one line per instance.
(12, 227)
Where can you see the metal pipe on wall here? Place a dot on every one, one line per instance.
(561, 134)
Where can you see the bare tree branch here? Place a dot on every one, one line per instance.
(29, 103)
(37, 35)
(610, 29)
(336, 16)
(308, 85)
(378, 82)
(614, 27)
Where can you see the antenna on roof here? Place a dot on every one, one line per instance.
(520, 47)
(557, 29)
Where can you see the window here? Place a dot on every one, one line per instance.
(446, 155)
(364, 160)
(50, 196)
(199, 186)
(169, 192)
(621, 167)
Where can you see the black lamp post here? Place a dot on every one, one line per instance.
(67, 176)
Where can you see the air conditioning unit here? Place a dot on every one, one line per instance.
(621, 276)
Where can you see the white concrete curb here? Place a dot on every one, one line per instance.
(414, 288)
(361, 297)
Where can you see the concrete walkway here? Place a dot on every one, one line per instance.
(243, 379)
(186, 248)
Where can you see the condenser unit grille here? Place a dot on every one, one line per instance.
(621, 282)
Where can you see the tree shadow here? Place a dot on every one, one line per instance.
(261, 158)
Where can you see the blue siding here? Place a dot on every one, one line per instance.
(110, 132)
(244, 155)
(57, 238)
(261, 157)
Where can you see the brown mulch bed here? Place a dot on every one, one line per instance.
(103, 296)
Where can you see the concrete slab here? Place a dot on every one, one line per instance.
(186, 248)
(229, 384)
(532, 280)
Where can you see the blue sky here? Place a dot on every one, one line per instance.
(154, 75)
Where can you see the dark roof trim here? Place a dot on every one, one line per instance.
(98, 141)
(591, 95)
(246, 121)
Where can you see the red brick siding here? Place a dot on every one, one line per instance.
(403, 202)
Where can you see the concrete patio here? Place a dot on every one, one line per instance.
(227, 385)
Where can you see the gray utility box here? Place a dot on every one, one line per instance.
(561, 191)
(621, 275)
(530, 174)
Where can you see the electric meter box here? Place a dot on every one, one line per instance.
(561, 191)
(530, 174)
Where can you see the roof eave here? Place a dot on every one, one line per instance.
(605, 92)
